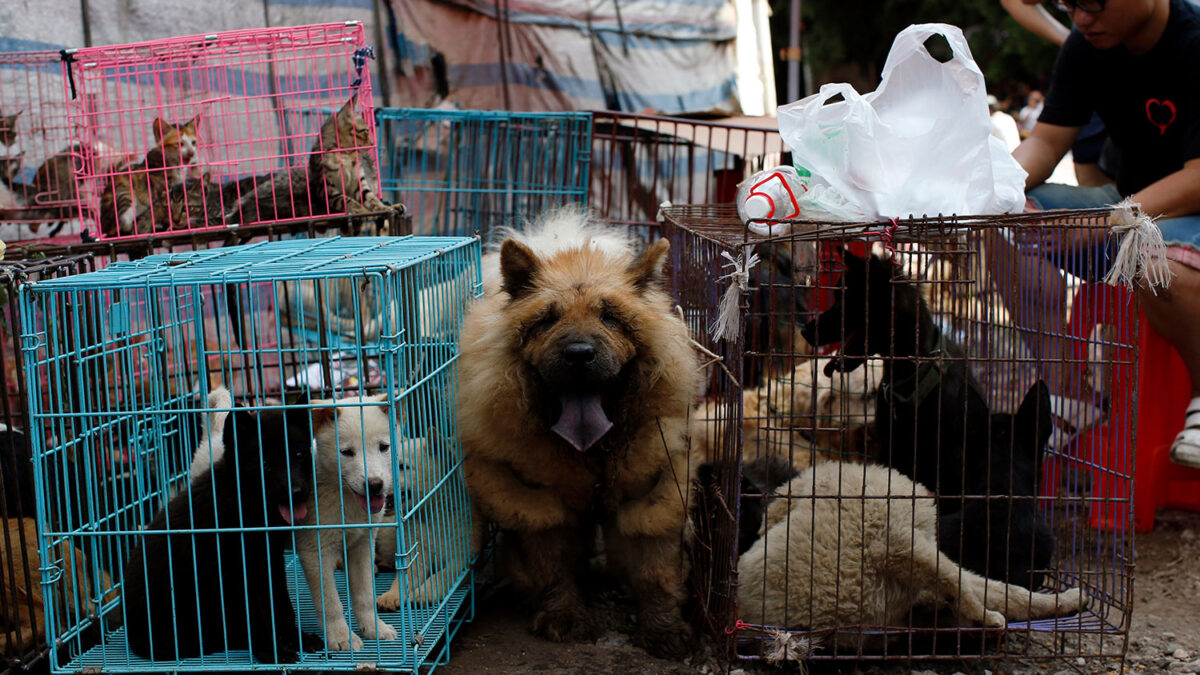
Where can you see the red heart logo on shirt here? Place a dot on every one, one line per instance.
(1161, 114)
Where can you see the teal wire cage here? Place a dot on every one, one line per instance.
(158, 455)
(458, 172)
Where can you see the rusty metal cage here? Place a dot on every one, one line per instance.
(641, 161)
(22, 616)
(932, 346)
(37, 186)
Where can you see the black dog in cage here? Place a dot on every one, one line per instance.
(1007, 509)
(193, 591)
(929, 413)
(929, 405)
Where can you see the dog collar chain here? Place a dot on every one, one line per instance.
(929, 375)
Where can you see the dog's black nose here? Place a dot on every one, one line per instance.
(299, 491)
(375, 486)
(579, 353)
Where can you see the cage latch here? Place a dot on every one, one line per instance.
(31, 342)
(405, 560)
(50, 574)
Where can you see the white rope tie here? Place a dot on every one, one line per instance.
(1142, 251)
(728, 325)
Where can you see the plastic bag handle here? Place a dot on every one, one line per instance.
(832, 89)
(912, 39)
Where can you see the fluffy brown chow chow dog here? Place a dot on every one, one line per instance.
(575, 380)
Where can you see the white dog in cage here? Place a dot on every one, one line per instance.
(856, 545)
(353, 461)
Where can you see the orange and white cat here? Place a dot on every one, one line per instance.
(135, 199)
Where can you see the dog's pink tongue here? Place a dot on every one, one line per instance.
(582, 421)
(290, 516)
(376, 504)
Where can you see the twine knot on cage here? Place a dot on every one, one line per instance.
(784, 646)
(728, 324)
(1142, 251)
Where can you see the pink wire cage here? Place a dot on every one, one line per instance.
(36, 160)
(256, 100)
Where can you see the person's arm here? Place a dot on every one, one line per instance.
(1035, 19)
(1174, 194)
(1043, 150)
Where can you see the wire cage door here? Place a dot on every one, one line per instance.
(209, 481)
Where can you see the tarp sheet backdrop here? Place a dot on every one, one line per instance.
(663, 56)
(669, 56)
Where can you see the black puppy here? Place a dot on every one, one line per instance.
(16, 469)
(1001, 534)
(187, 594)
(929, 405)
(759, 479)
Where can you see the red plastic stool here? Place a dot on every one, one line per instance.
(1163, 392)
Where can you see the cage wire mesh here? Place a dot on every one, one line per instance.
(459, 172)
(939, 348)
(196, 472)
(37, 188)
(225, 129)
(22, 617)
(641, 161)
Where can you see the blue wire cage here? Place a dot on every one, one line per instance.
(458, 172)
(134, 361)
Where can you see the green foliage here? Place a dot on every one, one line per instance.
(861, 32)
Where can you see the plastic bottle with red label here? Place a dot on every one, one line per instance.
(770, 195)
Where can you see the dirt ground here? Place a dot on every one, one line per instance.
(1164, 638)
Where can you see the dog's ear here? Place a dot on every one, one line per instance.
(322, 416)
(1033, 416)
(242, 429)
(647, 271)
(518, 267)
(850, 259)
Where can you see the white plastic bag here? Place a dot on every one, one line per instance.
(920, 144)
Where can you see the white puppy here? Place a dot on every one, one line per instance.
(353, 481)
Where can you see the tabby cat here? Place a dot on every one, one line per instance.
(342, 165)
(141, 192)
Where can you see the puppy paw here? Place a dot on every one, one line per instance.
(565, 625)
(339, 638)
(389, 601)
(994, 619)
(1070, 602)
(378, 629)
(665, 644)
(311, 643)
(279, 654)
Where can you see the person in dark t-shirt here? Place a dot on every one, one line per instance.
(1135, 63)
